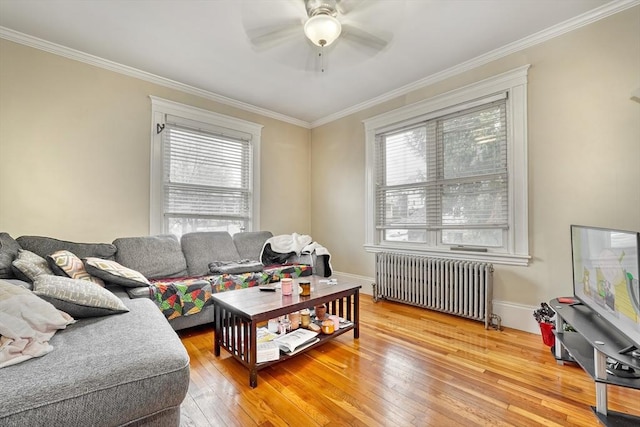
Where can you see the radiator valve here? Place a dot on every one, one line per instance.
(495, 322)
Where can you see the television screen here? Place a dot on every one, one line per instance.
(605, 275)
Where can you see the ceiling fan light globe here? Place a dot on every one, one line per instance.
(322, 29)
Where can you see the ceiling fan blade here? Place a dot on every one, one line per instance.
(347, 6)
(365, 38)
(272, 35)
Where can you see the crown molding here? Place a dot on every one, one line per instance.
(601, 12)
(76, 55)
(587, 18)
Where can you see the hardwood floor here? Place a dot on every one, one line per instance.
(410, 367)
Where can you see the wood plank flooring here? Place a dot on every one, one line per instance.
(410, 367)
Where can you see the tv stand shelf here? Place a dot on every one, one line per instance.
(595, 340)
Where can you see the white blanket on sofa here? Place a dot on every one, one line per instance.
(298, 243)
(285, 243)
(27, 323)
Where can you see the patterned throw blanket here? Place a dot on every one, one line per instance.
(184, 296)
(181, 296)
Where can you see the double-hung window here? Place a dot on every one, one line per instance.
(203, 174)
(447, 176)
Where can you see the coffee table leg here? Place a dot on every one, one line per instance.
(356, 315)
(217, 331)
(253, 377)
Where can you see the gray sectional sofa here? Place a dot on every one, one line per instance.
(166, 258)
(128, 368)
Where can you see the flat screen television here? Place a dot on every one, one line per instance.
(606, 269)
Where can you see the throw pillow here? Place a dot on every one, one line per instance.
(27, 323)
(79, 298)
(65, 263)
(113, 272)
(30, 265)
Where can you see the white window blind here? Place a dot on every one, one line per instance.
(206, 178)
(444, 180)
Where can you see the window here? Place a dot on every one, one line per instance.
(204, 172)
(447, 176)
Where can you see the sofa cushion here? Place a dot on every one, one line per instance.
(66, 264)
(111, 370)
(79, 298)
(153, 256)
(44, 246)
(8, 252)
(249, 243)
(201, 248)
(113, 272)
(28, 266)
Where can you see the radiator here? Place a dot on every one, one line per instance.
(462, 288)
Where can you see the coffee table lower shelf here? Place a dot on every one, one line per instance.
(321, 340)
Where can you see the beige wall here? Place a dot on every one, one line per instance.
(583, 155)
(75, 151)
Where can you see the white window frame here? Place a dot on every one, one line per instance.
(513, 82)
(160, 108)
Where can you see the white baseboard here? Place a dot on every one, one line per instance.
(516, 316)
(363, 281)
(512, 315)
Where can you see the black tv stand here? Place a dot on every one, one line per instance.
(621, 370)
(632, 350)
(594, 341)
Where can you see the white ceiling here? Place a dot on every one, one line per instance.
(204, 44)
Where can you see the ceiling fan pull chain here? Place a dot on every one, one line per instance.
(321, 54)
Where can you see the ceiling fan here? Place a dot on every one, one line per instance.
(327, 23)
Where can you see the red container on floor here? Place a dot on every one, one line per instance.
(547, 333)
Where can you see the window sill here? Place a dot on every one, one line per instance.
(492, 257)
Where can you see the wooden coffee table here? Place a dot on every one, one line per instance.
(237, 314)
